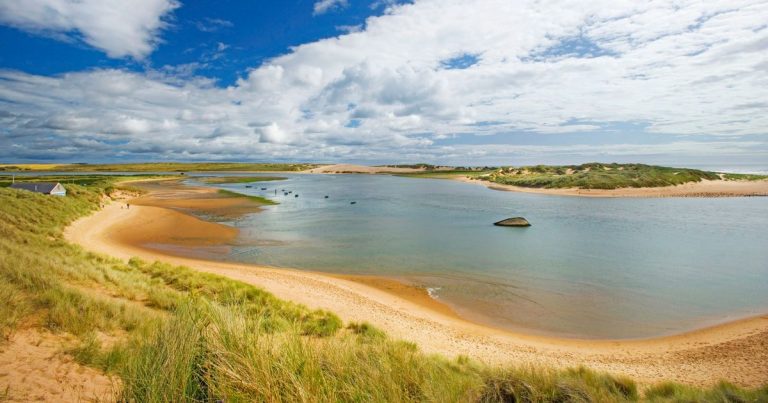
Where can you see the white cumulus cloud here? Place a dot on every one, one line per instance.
(117, 27)
(542, 72)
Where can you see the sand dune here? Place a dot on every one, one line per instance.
(361, 169)
(736, 351)
(34, 368)
(705, 188)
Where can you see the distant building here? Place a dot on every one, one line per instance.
(49, 188)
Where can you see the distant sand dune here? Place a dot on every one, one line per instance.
(362, 169)
(705, 188)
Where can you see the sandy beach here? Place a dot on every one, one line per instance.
(705, 188)
(736, 351)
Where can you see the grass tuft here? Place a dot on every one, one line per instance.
(366, 331)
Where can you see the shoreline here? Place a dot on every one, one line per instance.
(400, 289)
(705, 188)
(734, 351)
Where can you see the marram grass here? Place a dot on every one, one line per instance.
(604, 176)
(172, 334)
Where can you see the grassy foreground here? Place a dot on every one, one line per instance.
(605, 176)
(174, 334)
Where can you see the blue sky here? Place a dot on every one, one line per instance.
(441, 81)
(249, 31)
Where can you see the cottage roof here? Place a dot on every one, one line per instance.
(40, 187)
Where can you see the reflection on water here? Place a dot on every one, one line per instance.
(206, 252)
(596, 268)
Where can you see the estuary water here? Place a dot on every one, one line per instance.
(586, 268)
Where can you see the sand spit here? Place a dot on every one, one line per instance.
(705, 188)
(735, 351)
(172, 194)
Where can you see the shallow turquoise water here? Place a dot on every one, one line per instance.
(590, 268)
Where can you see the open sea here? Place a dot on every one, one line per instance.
(586, 268)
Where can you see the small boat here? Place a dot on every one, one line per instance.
(295, 195)
(353, 203)
(263, 188)
(326, 196)
(248, 186)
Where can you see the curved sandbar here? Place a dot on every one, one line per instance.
(705, 188)
(736, 351)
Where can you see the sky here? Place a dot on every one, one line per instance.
(474, 82)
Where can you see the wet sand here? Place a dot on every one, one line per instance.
(705, 188)
(736, 351)
(402, 289)
(172, 194)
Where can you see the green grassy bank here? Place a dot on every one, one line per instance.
(175, 334)
(258, 199)
(604, 176)
(160, 167)
(83, 180)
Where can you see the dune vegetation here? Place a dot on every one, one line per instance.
(604, 176)
(25, 167)
(175, 334)
(83, 180)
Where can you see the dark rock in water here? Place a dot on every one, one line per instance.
(513, 222)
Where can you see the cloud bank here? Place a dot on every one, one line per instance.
(417, 82)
